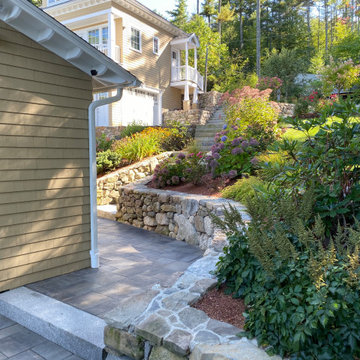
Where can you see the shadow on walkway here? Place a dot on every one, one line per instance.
(131, 260)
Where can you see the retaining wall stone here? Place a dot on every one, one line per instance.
(108, 185)
(184, 217)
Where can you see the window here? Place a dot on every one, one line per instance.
(135, 41)
(94, 37)
(156, 45)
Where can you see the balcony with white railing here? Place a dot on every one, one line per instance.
(106, 50)
(187, 73)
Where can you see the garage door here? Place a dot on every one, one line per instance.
(137, 106)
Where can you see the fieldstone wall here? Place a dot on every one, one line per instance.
(184, 217)
(111, 132)
(286, 110)
(192, 117)
(208, 103)
(108, 185)
(209, 100)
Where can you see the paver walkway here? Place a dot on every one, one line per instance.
(18, 343)
(131, 261)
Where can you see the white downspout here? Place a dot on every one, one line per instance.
(94, 252)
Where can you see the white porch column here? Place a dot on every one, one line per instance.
(112, 36)
(195, 58)
(186, 61)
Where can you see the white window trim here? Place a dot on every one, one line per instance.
(158, 42)
(140, 37)
(54, 2)
(85, 32)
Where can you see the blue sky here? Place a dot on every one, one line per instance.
(163, 5)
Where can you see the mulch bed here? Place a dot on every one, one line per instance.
(210, 187)
(219, 306)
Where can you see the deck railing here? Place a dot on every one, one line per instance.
(187, 73)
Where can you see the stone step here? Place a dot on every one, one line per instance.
(107, 211)
(73, 329)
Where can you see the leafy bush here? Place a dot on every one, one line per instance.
(132, 129)
(140, 145)
(251, 112)
(232, 156)
(301, 287)
(107, 160)
(179, 138)
(182, 168)
(246, 187)
(103, 143)
(327, 161)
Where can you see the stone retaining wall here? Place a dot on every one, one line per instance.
(192, 117)
(111, 132)
(286, 110)
(108, 185)
(181, 216)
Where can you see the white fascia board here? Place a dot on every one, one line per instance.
(48, 32)
(86, 17)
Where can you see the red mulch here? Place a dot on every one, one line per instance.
(219, 306)
(209, 187)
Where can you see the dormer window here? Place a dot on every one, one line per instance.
(135, 40)
(156, 45)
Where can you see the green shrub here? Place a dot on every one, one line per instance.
(103, 143)
(179, 138)
(141, 145)
(245, 187)
(301, 287)
(327, 161)
(106, 161)
(131, 129)
(182, 168)
(249, 113)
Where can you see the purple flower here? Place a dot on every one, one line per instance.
(183, 179)
(175, 180)
(224, 138)
(237, 151)
(190, 155)
(235, 127)
(244, 144)
(181, 156)
(232, 174)
(254, 161)
(178, 161)
(235, 142)
(254, 142)
(216, 156)
(188, 170)
(168, 182)
(213, 164)
(221, 146)
(224, 127)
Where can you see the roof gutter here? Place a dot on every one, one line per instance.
(94, 251)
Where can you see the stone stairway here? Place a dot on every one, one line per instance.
(204, 134)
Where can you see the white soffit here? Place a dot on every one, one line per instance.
(48, 32)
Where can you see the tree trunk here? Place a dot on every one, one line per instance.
(258, 38)
(198, 7)
(206, 68)
(326, 26)
(219, 22)
(308, 10)
(241, 28)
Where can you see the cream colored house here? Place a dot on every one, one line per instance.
(47, 144)
(145, 44)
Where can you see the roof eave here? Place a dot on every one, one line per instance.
(48, 32)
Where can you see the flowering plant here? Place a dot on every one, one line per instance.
(103, 143)
(181, 168)
(273, 83)
(232, 154)
(253, 114)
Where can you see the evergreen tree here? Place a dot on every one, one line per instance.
(179, 16)
(208, 10)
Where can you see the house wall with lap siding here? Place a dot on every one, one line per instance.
(44, 171)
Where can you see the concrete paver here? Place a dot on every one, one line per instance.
(131, 260)
(19, 343)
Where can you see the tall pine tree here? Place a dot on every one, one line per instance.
(179, 16)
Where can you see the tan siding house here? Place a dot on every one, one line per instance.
(44, 160)
(145, 44)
